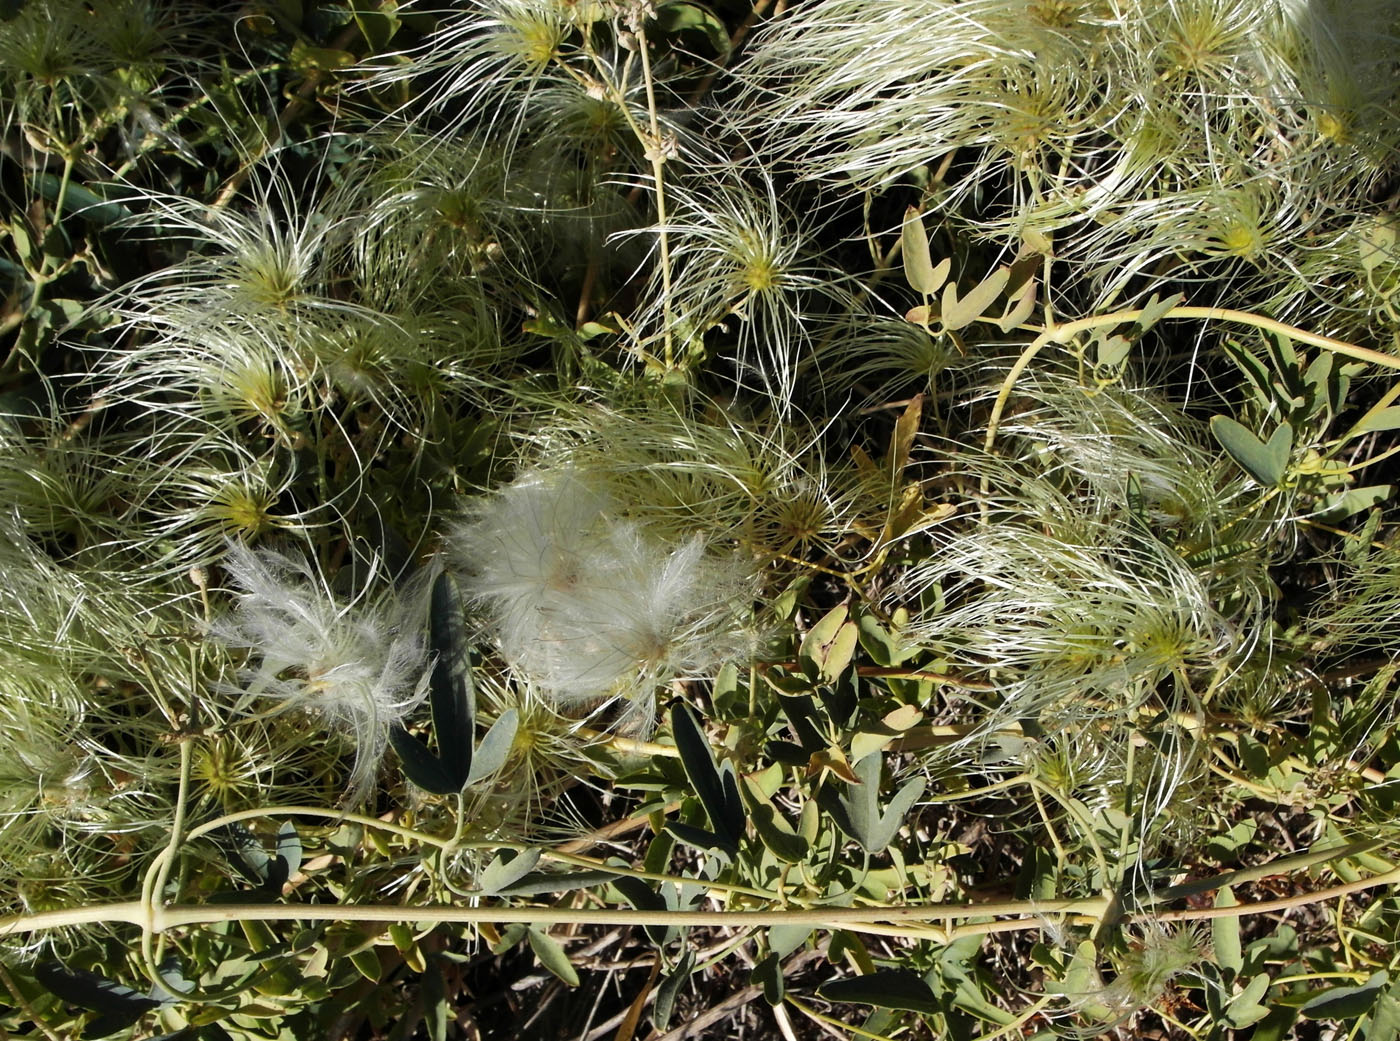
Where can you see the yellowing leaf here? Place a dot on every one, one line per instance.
(918, 264)
(960, 313)
(1019, 308)
(828, 646)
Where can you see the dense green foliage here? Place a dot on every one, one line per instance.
(872, 517)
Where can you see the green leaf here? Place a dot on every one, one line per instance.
(1346, 1002)
(718, 792)
(1244, 1008)
(1156, 309)
(91, 991)
(1266, 463)
(669, 988)
(829, 645)
(495, 747)
(1355, 500)
(1377, 242)
(83, 202)
(366, 962)
(552, 956)
(1225, 934)
(919, 271)
(23, 242)
(640, 895)
(898, 989)
(784, 939)
(676, 18)
(1385, 1016)
(1038, 878)
(506, 868)
(959, 313)
(420, 765)
(452, 698)
(539, 883)
(1387, 418)
(434, 994)
(289, 849)
(1111, 351)
(769, 974)
(451, 692)
(773, 830)
(377, 22)
(309, 60)
(856, 809)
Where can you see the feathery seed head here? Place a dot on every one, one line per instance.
(590, 606)
(359, 664)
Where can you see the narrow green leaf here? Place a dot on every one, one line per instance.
(700, 838)
(289, 847)
(899, 806)
(91, 991)
(855, 808)
(366, 962)
(377, 22)
(1244, 1008)
(1038, 877)
(768, 973)
(776, 834)
(552, 956)
(82, 201)
(420, 766)
(1225, 934)
(1385, 1016)
(1355, 500)
(670, 987)
(1346, 1002)
(691, 17)
(1377, 242)
(495, 747)
(784, 939)
(718, 794)
(640, 895)
(434, 993)
(540, 883)
(1018, 308)
(1266, 463)
(1380, 419)
(506, 868)
(22, 240)
(1111, 351)
(451, 693)
(898, 989)
(1155, 309)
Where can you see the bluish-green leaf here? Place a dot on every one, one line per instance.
(1225, 934)
(768, 974)
(506, 868)
(91, 991)
(1266, 462)
(717, 790)
(552, 956)
(495, 747)
(451, 693)
(670, 987)
(434, 995)
(898, 989)
(1346, 1002)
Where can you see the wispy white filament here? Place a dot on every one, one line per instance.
(350, 662)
